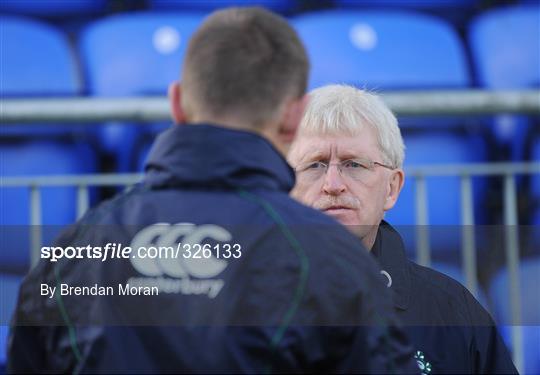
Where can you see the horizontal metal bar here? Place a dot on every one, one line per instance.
(147, 109)
(463, 102)
(477, 169)
(412, 171)
(84, 110)
(133, 178)
(69, 180)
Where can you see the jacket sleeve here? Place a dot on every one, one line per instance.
(25, 354)
(489, 353)
(375, 343)
(361, 350)
(389, 348)
(389, 352)
(344, 320)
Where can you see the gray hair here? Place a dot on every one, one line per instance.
(342, 109)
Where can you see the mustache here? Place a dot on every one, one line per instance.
(332, 201)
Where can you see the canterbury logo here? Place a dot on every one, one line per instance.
(166, 236)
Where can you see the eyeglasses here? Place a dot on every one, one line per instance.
(357, 169)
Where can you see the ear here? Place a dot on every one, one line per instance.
(291, 117)
(175, 102)
(397, 180)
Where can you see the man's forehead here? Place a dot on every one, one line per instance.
(309, 146)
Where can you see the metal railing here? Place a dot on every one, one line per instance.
(140, 110)
(465, 172)
(456, 102)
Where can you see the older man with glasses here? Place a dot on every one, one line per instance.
(348, 158)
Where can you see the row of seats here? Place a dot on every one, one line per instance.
(358, 48)
(499, 296)
(374, 49)
(139, 54)
(62, 7)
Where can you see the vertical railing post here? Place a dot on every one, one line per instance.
(35, 224)
(82, 200)
(422, 231)
(468, 239)
(512, 261)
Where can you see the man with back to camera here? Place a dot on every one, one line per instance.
(348, 158)
(219, 179)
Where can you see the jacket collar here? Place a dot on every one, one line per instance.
(214, 157)
(390, 252)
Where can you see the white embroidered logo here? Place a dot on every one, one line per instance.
(179, 274)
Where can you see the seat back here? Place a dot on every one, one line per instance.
(136, 54)
(36, 61)
(211, 5)
(52, 7)
(58, 204)
(530, 310)
(443, 192)
(505, 45)
(382, 50)
(9, 289)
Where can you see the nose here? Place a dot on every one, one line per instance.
(333, 181)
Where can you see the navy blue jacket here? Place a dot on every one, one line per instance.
(452, 333)
(303, 295)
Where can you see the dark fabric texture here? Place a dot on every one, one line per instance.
(443, 320)
(304, 296)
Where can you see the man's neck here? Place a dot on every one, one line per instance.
(267, 131)
(369, 239)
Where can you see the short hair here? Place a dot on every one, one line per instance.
(341, 109)
(244, 63)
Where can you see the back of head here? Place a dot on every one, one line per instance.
(345, 110)
(242, 64)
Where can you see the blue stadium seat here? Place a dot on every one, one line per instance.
(505, 45)
(134, 55)
(282, 6)
(417, 4)
(530, 342)
(530, 309)
(52, 7)
(36, 61)
(443, 193)
(9, 288)
(382, 50)
(58, 206)
(425, 148)
(455, 11)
